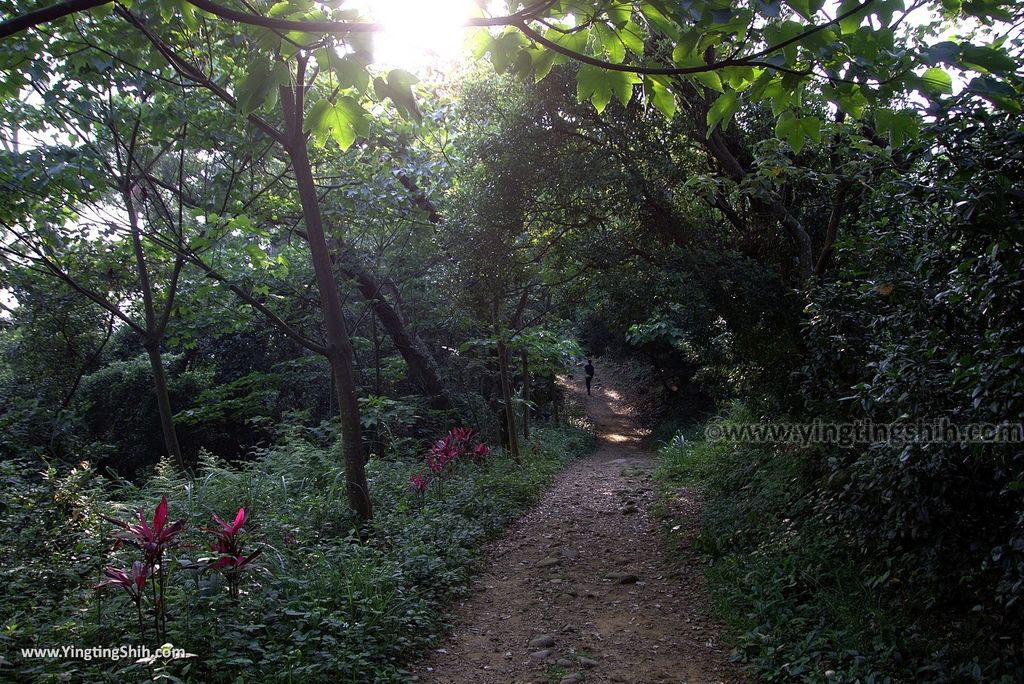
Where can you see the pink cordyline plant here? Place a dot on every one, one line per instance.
(133, 582)
(154, 541)
(461, 434)
(230, 559)
(443, 452)
(451, 448)
(419, 483)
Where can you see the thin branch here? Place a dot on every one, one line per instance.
(192, 72)
(646, 70)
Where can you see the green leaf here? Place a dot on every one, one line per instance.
(805, 8)
(282, 269)
(576, 41)
(789, 129)
(848, 98)
(936, 81)
(505, 48)
(351, 73)
(591, 83)
(253, 88)
(777, 34)
(255, 252)
(1000, 94)
(986, 10)
(609, 39)
(988, 58)
(242, 224)
(188, 15)
(885, 9)
(633, 38)
(851, 23)
(722, 110)
(660, 95)
(598, 85)
(166, 8)
(283, 9)
(478, 42)
(622, 85)
(361, 45)
(344, 120)
(945, 52)
(709, 79)
(266, 40)
(659, 21)
(619, 13)
(811, 126)
(398, 88)
(739, 78)
(686, 52)
(900, 126)
(543, 60)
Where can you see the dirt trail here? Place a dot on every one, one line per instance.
(578, 589)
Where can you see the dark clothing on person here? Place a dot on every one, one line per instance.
(589, 370)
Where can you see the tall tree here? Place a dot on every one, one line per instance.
(93, 241)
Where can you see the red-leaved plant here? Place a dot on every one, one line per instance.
(154, 541)
(133, 582)
(230, 559)
(419, 483)
(454, 447)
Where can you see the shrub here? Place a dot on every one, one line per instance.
(798, 597)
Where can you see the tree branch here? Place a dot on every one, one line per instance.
(45, 15)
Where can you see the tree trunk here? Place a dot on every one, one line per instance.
(526, 396)
(153, 333)
(506, 395)
(376, 354)
(163, 403)
(339, 346)
(832, 231)
(422, 370)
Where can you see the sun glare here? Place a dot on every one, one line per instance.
(420, 33)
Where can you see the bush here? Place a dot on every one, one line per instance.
(118, 409)
(800, 600)
(923, 325)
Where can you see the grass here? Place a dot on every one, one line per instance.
(327, 601)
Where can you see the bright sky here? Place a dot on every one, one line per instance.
(420, 33)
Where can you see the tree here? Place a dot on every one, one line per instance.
(705, 57)
(57, 241)
(678, 54)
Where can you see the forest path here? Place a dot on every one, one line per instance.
(579, 589)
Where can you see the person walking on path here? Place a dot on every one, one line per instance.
(589, 371)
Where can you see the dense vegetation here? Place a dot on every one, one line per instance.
(324, 601)
(249, 270)
(898, 559)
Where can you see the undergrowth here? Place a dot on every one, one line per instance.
(326, 600)
(799, 605)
